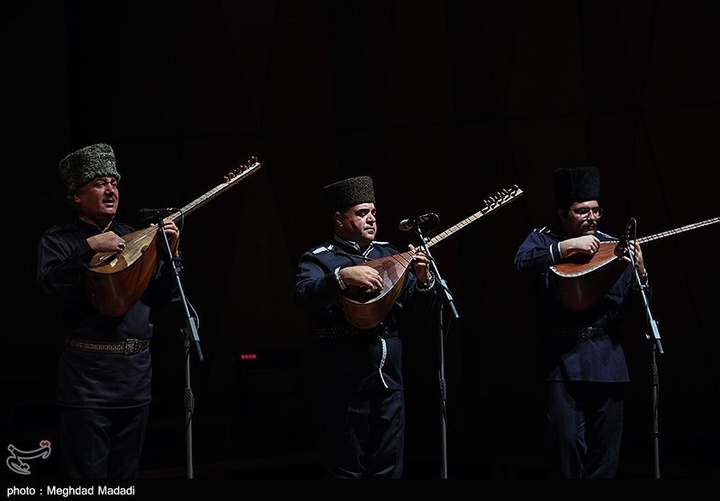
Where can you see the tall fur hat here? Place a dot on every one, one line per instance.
(85, 164)
(576, 184)
(349, 192)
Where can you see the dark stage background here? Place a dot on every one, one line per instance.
(444, 104)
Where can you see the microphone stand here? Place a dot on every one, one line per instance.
(656, 349)
(190, 331)
(447, 298)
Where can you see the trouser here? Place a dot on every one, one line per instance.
(584, 428)
(362, 434)
(102, 443)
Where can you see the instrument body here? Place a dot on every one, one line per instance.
(582, 280)
(365, 310)
(116, 281)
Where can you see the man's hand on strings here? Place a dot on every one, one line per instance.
(108, 241)
(362, 276)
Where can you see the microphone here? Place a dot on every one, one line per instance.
(147, 214)
(621, 247)
(409, 224)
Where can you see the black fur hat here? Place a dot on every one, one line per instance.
(349, 192)
(576, 184)
(85, 164)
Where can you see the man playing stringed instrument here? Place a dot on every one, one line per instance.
(360, 410)
(582, 362)
(104, 373)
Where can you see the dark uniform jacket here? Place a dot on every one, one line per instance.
(349, 359)
(568, 352)
(98, 380)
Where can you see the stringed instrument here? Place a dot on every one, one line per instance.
(582, 280)
(365, 309)
(116, 281)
